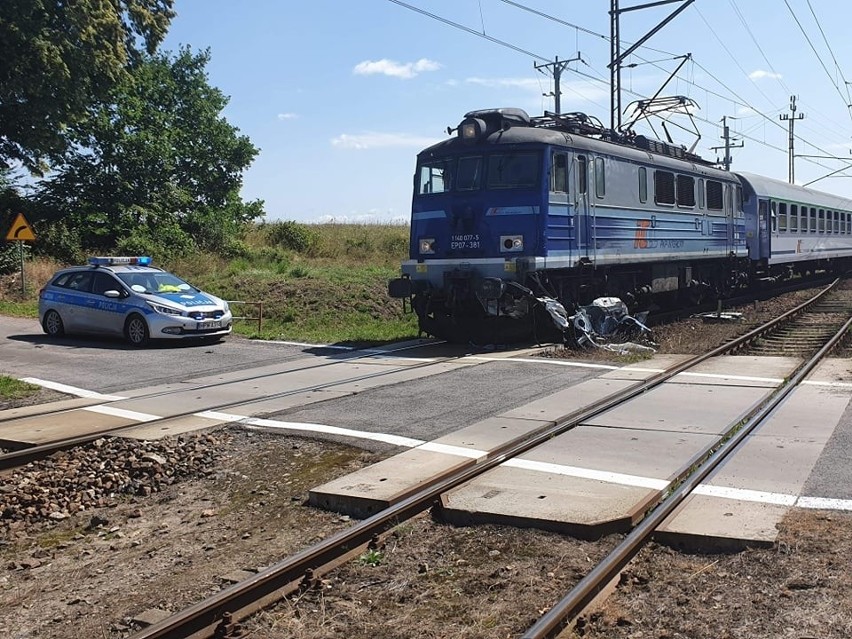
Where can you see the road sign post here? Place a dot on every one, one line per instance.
(21, 232)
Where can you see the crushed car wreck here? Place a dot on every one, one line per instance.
(606, 324)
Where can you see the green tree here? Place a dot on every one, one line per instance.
(155, 164)
(56, 57)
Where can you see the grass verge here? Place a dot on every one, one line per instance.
(11, 388)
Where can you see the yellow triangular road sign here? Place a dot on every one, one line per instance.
(21, 230)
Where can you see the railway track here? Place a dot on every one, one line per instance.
(26, 454)
(219, 615)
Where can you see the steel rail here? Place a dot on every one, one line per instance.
(585, 591)
(241, 598)
(355, 354)
(18, 458)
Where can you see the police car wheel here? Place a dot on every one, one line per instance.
(136, 331)
(52, 324)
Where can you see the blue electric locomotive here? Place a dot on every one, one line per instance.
(515, 216)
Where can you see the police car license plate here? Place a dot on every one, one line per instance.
(211, 324)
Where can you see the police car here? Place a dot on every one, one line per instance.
(127, 296)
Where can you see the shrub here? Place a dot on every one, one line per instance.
(292, 235)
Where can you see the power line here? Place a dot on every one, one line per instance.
(744, 22)
(828, 46)
(822, 64)
(469, 30)
(738, 101)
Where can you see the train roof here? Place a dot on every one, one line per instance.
(778, 189)
(518, 128)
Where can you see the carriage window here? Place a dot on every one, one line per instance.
(836, 225)
(685, 190)
(714, 195)
(782, 217)
(559, 177)
(643, 184)
(582, 174)
(434, 177)
(664, 191)
(700, 193)
(512, 171)
(773, 207)
(600, 178)
(794, 217)
(821, 218)
(812, 225)
(848, 223)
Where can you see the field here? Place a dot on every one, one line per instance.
(323, 283)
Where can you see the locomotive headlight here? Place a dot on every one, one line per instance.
(427, 245)
(511, 243)
(471, 129)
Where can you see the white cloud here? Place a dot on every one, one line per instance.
(394, 69)
(760, 74)
(373, 140)
(287, 116)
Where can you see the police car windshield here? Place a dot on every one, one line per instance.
(159, 282)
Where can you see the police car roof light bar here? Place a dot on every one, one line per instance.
(113, 261)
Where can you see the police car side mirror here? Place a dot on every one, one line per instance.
(112, 293)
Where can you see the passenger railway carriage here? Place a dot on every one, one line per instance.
(515, 216)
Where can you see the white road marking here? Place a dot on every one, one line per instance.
(543, 467)
(558, 469)
(589, 473)
(743, 494)
(71, 390)
(121, 412)
(824, 503)
(828, 384)
(396, 440)
(742, 378)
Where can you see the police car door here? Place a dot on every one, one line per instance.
(107, 312)
(76, 302)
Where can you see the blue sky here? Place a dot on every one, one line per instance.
(340, 95)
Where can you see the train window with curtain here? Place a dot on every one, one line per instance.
(812, 225)
(600, 178)
(773, 207)
(582, 174)
(714, 195)
(559, 174)
(664, 187)
(643, 184)
(794, 217)
(821, 221)
(685, 190)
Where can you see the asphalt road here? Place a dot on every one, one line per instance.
(424, 408)
(111, 365)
